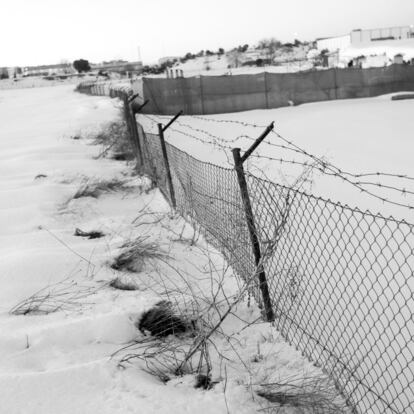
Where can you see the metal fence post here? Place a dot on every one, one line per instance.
(244, 192)
(201, 95)
(127, 115)
(167, 165)
(266, 91)
(134, 129)
(135, 135)
(161, 130)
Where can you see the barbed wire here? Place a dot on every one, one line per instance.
(318, 163)
(300, 150)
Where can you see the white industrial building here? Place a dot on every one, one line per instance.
(386, 33)
(367, 36)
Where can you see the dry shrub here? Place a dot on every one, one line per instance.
(161, 321)
(135, 253)
(170, 331)
(115, 139)
(94, 188)
(304, 394)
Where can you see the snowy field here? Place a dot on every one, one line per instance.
(359, 136)
(39, 81)
(59, 362)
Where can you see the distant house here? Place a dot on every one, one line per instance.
(375, 61)
(399, 59)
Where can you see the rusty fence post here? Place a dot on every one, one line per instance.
(132, 111)
(244, 192)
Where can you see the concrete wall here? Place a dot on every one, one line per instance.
(334, 43)
(221, 94)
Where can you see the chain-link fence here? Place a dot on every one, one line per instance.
(341, 280)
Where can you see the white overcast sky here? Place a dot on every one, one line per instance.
(47, 31)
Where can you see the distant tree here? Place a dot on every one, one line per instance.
(189, 56)
(270, 46)
(4, 73)
(221, 51)
(81, 65)
(243, 48)
(200, 53)
(209, 53)
(66, 66)
(297, 43)
(234, 58)
(259, 62)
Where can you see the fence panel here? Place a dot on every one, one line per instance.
(222, 94)
(342, 287)
(209, 195)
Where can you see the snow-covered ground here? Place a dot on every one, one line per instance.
(220, 65)
(360, 136)
(60, 362)
(40, 81)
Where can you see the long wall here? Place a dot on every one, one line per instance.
(220, 94)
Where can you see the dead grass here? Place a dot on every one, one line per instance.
(162, 320)
(303, 394)
(114, 137)
(135, 253)
(122, 284)
(95, 188)
(64, 295)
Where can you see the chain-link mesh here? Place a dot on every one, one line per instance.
(342, 285)
(206, 194)
(209, 196)
(341, 280)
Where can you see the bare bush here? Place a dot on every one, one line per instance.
(114, 137)
(136, 252)
(161, 321)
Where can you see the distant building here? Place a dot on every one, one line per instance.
(399, 59)
(167, 59)
(118, 66)
(332, 44)
(47, 70)
(386, 33)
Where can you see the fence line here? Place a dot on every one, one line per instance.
(221, 94)
(341, 280)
